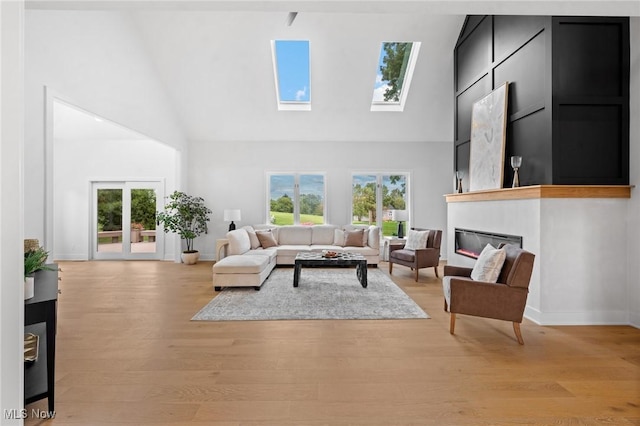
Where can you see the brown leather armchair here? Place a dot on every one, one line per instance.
(417, 259)
(503, 300)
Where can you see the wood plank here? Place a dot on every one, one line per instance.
(128, 353)
(544, 191)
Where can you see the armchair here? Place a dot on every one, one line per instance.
(504, 300)
(420, 258)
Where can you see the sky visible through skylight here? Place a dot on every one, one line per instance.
(292, 58)
(380, 85)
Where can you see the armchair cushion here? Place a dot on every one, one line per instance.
(488, 265)
(416, 240)
(446, 289)
(404, 254)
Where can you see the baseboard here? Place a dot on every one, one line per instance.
(634, 319)
(207, 256)
(579, 318)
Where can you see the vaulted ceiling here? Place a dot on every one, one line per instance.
(214, 60)
(218, 69)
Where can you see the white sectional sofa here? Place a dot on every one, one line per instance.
(253, 251)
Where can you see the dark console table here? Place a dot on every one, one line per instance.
(40, 317)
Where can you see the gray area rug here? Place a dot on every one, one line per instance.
(323, 293)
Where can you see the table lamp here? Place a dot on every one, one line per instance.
(232, 214)
(400, 216)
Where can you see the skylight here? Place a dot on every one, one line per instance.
(396, 64)
(292, 77)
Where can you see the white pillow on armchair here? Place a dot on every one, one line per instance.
(416, 239)
(489, 264)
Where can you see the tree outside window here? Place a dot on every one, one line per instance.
(375, 196)
(296, 199)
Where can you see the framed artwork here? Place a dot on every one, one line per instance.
(488, 134)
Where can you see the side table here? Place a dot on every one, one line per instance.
(388, 241)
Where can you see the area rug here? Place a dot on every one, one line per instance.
(323, 293)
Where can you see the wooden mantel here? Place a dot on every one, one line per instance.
(544, 191)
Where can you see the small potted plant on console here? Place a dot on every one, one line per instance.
(35, 259)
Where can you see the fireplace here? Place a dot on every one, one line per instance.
(470, 243)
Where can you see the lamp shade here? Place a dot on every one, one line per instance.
(231, 214)
(399, 215)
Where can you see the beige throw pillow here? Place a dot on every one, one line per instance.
(338, 237)
(416, 239)
(489, 264)
(266, 239)
(255, 242)
(354, 238)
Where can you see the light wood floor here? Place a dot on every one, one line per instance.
(129, 354)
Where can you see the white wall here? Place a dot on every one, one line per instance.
(581, 244)
(634, 203)
(579, 274)
(233, 175)
(11, 209)
(517, 217)
(96, 61)
(77, 163)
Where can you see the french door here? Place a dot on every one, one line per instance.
(124, 220)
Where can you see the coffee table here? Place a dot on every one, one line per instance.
(343, 259)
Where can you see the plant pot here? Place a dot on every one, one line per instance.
(135, 236)
(28, 287)
(190, 258)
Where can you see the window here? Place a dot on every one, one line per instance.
(374, 198)
(292, 76)
(296, 198)
(396, 64)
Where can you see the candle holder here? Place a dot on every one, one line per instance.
(459, 176)
(516, 162)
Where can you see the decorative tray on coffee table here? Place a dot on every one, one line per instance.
(330, 255)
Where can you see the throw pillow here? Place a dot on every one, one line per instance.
(354, 238)
(416, 239)
(365, 233)
(338, 237)
(255, 242)
(489, 264)
(266, 239)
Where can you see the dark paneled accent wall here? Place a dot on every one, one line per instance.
(568, 114)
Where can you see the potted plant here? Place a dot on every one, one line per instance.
(186, 216)
(34, 261)
(136, 229)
